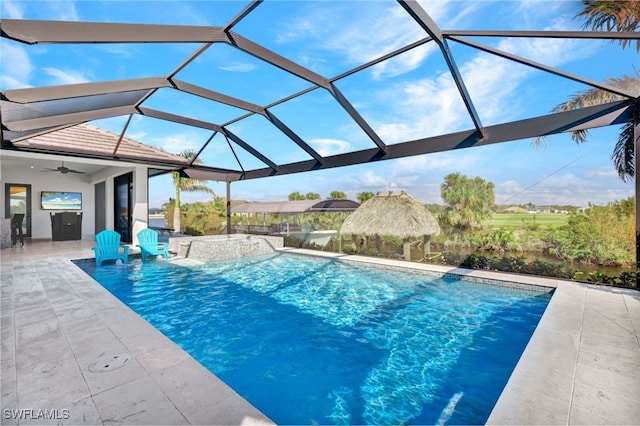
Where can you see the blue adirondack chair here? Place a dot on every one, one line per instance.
(149, 245)
(109, 247)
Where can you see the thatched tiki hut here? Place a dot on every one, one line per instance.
(395, 215)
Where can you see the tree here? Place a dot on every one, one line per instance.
(335, 195)
(468, 201)
(296, 196)
(601, 234)
(186, 185)
(204, 217)
(312, 196)
(364, 196)
(610, 15)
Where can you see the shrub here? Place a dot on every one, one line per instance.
(193, 230)
(603, 235)
(535, 267)
(625, 279)
(500, 240)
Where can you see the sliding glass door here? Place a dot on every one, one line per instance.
(123, 203)
(17, 199)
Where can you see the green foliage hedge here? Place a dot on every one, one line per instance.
(536, 267)
(603, 235)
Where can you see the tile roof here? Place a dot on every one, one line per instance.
(85, 139)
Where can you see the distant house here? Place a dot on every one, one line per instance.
(297, 206)
(515, 209)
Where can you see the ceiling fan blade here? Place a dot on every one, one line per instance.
(62, 169)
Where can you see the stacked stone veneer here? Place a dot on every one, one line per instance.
(223, 247)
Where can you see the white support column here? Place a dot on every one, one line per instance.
(228, 206)
(140, 215)
(109, 204)
(636, 136)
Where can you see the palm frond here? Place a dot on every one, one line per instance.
(623, 156)
(195, 187)
(580, 136)
(612, 15)
(596, 96)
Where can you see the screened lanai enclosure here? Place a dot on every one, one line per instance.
(271, 88)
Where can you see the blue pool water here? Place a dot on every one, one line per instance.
(310, 340)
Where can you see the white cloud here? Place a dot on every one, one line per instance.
(492, 91)
(178, 143)
(530, 12)
(65, 76)
(421, 108)
(603, 173)
(121, 50)
(138, 136)
(63, 10)
(567, 188)
(59, 10)
(552, 52)
(430, 106)
(357, 34)
(443, 162)
(18, 74)
(427, 107)
(404, 63)
(327, 147)
(12, 10)
(238, 67)
(452, 14)
(366, 180)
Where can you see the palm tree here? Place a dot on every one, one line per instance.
(337, 195)
(610, 15)
(312, 196)
(364, 196)
(295, 196)
(468, 202)
(188, 185)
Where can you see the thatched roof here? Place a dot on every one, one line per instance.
(395, 215)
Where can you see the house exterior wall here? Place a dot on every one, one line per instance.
(85, 184)
(51, 181)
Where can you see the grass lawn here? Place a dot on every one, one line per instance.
(517, 221)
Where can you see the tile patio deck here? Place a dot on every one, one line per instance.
(57, 322)
(582, 365)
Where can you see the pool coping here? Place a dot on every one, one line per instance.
(581, 366)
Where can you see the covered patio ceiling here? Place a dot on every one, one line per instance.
(278, 144)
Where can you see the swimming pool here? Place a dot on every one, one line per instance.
(310, 340)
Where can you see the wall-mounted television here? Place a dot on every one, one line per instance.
(55, 200)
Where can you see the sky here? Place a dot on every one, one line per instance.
(409, 97)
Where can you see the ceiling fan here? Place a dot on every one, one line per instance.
(62, 169)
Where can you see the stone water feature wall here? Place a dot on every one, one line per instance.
(210, 248)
